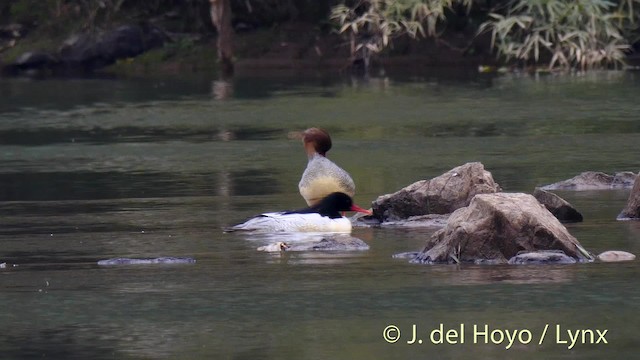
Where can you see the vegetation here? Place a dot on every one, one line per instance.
(372, 24)
(558, 34)
(581, 34)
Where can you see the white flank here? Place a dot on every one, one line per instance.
(278, 221)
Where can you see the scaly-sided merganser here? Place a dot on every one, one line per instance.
(322, 177)
(323, 217)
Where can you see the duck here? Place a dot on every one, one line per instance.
(323, 217)
(322, 176)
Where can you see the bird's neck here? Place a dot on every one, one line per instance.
(310, 149)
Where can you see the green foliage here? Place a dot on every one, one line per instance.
(581, 34)
(372, 24)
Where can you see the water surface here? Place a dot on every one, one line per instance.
(93, 169)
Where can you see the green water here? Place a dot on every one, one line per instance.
(94, 169)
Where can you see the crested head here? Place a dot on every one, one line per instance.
(336, 202)
(316, 140)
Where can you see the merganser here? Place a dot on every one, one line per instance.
(322, 217)
(322, 177)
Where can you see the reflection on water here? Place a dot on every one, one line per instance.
(521, 275)
(94, 169)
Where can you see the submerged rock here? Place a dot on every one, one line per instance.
(406, 255)
(616, 255)
(624, 179)
(435, 221)
(160, 260)
(331, 242)
(421, 221)
(632, 210)
(593, 180)
(542, 257)
(440, 195)
(496, 227)
(559, 207)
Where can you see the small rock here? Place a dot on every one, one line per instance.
(542, 257)
(560, 208)
(341, 242)
(616, 255)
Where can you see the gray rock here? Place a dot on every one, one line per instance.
(632, 210)
(441, 195)
(160, 260)
(560, 208)
(542, 257)
(624, 179)
(406, 255)
(329, 242)
(616, 255)
(593, 180)
(496, 227)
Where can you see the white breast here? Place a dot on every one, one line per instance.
(322, 177)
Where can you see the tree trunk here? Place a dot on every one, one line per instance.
(221, 18)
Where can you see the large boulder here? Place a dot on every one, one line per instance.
(594, 180)
(88, 52)
(559, 207)
(441, 195)
(632, 210)
(496, 227)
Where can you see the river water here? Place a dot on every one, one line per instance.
(93, 169)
